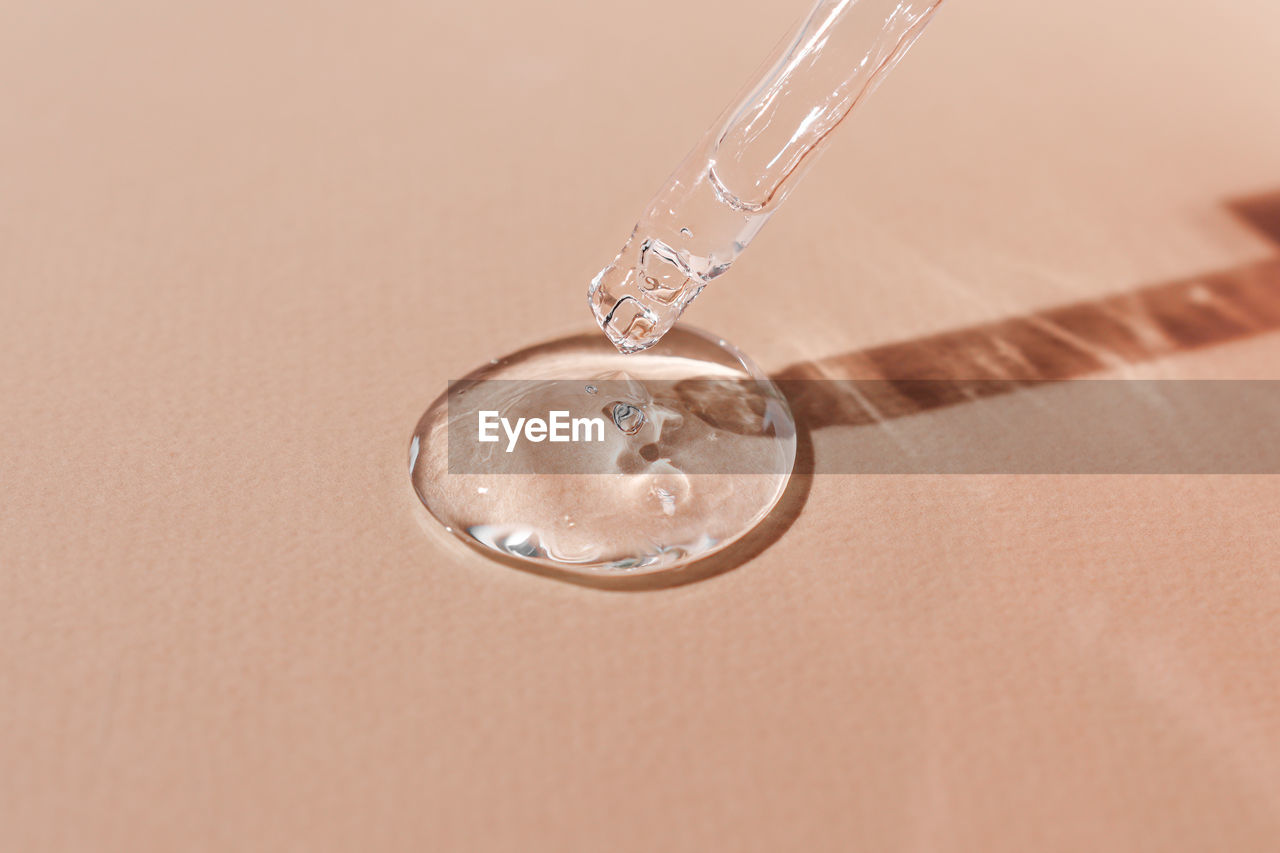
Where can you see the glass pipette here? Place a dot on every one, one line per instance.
(725, 190)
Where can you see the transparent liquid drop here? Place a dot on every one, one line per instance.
(679, 476)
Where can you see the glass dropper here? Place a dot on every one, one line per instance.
(725, 190)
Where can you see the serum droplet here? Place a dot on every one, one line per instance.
(637, 508)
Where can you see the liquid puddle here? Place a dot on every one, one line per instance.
(697, 448)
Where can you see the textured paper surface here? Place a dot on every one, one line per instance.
(243, 245)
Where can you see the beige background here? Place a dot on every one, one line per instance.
(243, 245)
